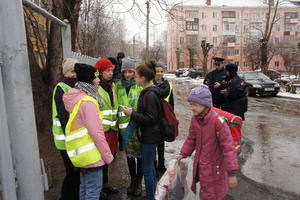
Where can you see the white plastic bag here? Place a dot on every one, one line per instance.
(173, 184)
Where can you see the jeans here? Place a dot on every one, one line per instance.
(90, 184)
(70, 186)
(148, 157)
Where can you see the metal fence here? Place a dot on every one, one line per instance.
(22, 175)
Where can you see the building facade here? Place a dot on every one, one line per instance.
(233, 27)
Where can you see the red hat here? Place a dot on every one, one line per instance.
(103, 64)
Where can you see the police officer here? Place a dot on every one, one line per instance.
(234, 90)
(214, 80)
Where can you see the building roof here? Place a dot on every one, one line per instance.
(236, 3)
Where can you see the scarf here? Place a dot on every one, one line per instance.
(91, 90)
(128, 83)
(107, 86)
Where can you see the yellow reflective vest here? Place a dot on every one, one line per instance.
(57, 131)
(80, 146)
(171, 88)
(109, 112)
(124, 99)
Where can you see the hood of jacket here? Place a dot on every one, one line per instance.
(161, 89)
(72, 97)
(162, 93)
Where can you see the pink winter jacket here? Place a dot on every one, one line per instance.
(215, 156)
(89, 117)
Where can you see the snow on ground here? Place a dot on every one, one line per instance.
(288, 94)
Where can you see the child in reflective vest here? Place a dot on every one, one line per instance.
(128, 93)
(85, 141)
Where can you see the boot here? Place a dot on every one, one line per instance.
(131, 188)
(138, 188)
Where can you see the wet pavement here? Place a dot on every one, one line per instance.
(270, 157)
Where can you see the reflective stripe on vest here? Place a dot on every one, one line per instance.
(58, 133)
(80, 146)
(124, 99)
(171, 88)
(109, 112)
(82, 149)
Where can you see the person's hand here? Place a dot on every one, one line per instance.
(217, 85)
(127, 110)
(179, 157)
(232, 181)
(225, 91)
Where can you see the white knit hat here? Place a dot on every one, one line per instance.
(68, 65)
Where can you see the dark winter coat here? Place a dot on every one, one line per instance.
(215, 156)
(149, 114)
(62, 113)
(236, 101)
(210, 79)
(165, 88)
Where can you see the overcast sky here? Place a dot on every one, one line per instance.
(135, 20)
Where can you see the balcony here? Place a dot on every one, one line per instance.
(191, 32)
(230, 44)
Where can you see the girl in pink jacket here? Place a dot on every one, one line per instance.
(88, 117)
(215, 162)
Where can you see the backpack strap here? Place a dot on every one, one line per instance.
(219, 124)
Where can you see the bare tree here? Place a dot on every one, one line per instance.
(264, 41)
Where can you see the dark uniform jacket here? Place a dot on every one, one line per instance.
(210, 79)
(236, 101)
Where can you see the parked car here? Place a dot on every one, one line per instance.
(196, 71)
(181, 72)
(259, 83)
(273, 74)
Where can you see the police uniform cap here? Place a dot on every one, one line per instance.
(218, 59)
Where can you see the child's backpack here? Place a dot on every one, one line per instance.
(169, 126)
(235, 124)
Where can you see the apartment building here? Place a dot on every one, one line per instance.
(229, 25)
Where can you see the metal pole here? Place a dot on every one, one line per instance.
(7, 177)
(66, 40)
(19, 101)
(147, 31)
(133, 47)
(43, 12)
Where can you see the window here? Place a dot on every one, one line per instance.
(236, 52)
(276, 63)
(291, 27)
(191, 14)
(215, 40)
(237, 28)
(192, 26)
(181, 64)
(246, 40)
(215, 15)
(215, 27)
(245, 64)
(181, 40)
(181, 27)
(192, 40)
(204, 27)
(204, 15)
(246, 28)
(228, 14)
(228, 29)
(228, 52)
(246, 16)
(277, 27)
(256, 28)
(237, 63)
(291, 15)
(237, 15)
(238, 39)
(276, 39)
(228, 39)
